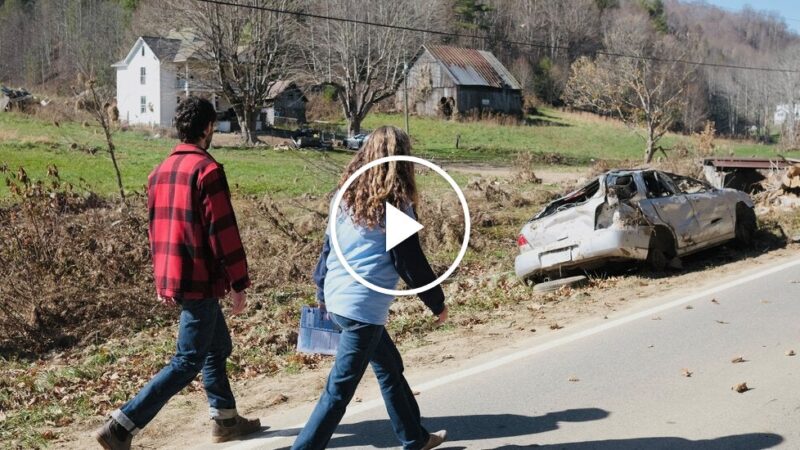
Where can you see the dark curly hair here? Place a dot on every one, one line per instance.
(192, 117)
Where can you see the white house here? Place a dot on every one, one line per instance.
(156, 74)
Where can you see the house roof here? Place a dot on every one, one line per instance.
(177, 47)
(470, 67)
(164, 48)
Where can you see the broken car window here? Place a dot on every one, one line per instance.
(622, 184)
(689, 185)
(571, 200)
(656, 186)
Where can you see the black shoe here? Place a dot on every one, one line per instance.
(113, 436)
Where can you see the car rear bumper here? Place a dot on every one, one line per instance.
(612, 244)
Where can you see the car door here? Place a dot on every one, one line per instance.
(670, 207)
(714, 214)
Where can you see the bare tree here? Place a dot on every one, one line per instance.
(249, 50)
(363, 63)
(644, 90)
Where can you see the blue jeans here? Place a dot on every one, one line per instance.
(204, 344)
(362, 344)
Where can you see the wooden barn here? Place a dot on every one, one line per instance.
(445, 80)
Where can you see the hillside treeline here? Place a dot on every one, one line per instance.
(48, 44)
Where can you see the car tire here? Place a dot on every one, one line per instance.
(661, 249)
(553, 286)
(746, 225)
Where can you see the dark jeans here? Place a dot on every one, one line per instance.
(204, 344)
(359, 345)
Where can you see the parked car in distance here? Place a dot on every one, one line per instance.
(631, 215)
(355, 142)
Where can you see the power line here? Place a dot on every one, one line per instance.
(506, 41)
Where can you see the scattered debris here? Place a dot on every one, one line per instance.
(722, 322)
(738, 360)
(574, 379)
(686, 373)
(14, 99)
(714, 301)
(555, 326)
(790, 353)
(357, 400)
(278, 399)
(656, 318)
(740, 388)
(415, 392)
(689, 307)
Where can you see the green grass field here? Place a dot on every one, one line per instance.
(580, 138)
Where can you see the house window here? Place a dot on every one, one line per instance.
(143, 50)
(142, 75)
(143, 106)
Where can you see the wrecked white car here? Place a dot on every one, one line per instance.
(632, 215)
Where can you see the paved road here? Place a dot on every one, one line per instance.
(618, 383)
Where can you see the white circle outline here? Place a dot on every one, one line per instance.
(335, 240)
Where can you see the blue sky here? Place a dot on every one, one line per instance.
(788, 9)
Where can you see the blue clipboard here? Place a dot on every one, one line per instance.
(318, 333)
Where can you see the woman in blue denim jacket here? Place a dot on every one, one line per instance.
(360, 312)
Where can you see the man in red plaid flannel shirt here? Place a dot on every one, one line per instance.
(198, 258)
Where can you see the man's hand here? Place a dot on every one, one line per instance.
(442, 318)
(167, 301)
(239, 302)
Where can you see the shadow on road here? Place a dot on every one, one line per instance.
(378, 433)
(753, 441)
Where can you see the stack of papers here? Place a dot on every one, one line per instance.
(318, 333)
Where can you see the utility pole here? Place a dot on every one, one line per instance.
(405, 94)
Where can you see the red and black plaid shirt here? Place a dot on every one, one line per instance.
(194, 239)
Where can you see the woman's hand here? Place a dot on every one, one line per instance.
(442, 318)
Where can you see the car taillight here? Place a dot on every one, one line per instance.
(521, 241)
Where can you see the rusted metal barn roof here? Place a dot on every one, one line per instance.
(470, 67)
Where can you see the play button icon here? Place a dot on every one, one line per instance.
(399, 227)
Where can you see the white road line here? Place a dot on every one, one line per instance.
(508, 359)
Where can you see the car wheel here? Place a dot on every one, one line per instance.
(552, 286)
(656, 259)
(661, 249)
(746, 225)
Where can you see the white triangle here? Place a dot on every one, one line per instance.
(399, 226)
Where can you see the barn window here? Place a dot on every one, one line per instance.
(143, 105)
(142, 75)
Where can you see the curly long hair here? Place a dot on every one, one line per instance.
(391, 182)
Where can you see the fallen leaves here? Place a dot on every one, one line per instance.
(740, 388)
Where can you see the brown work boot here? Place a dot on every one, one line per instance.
(113, 436)
(238, 428)
(435, 439)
